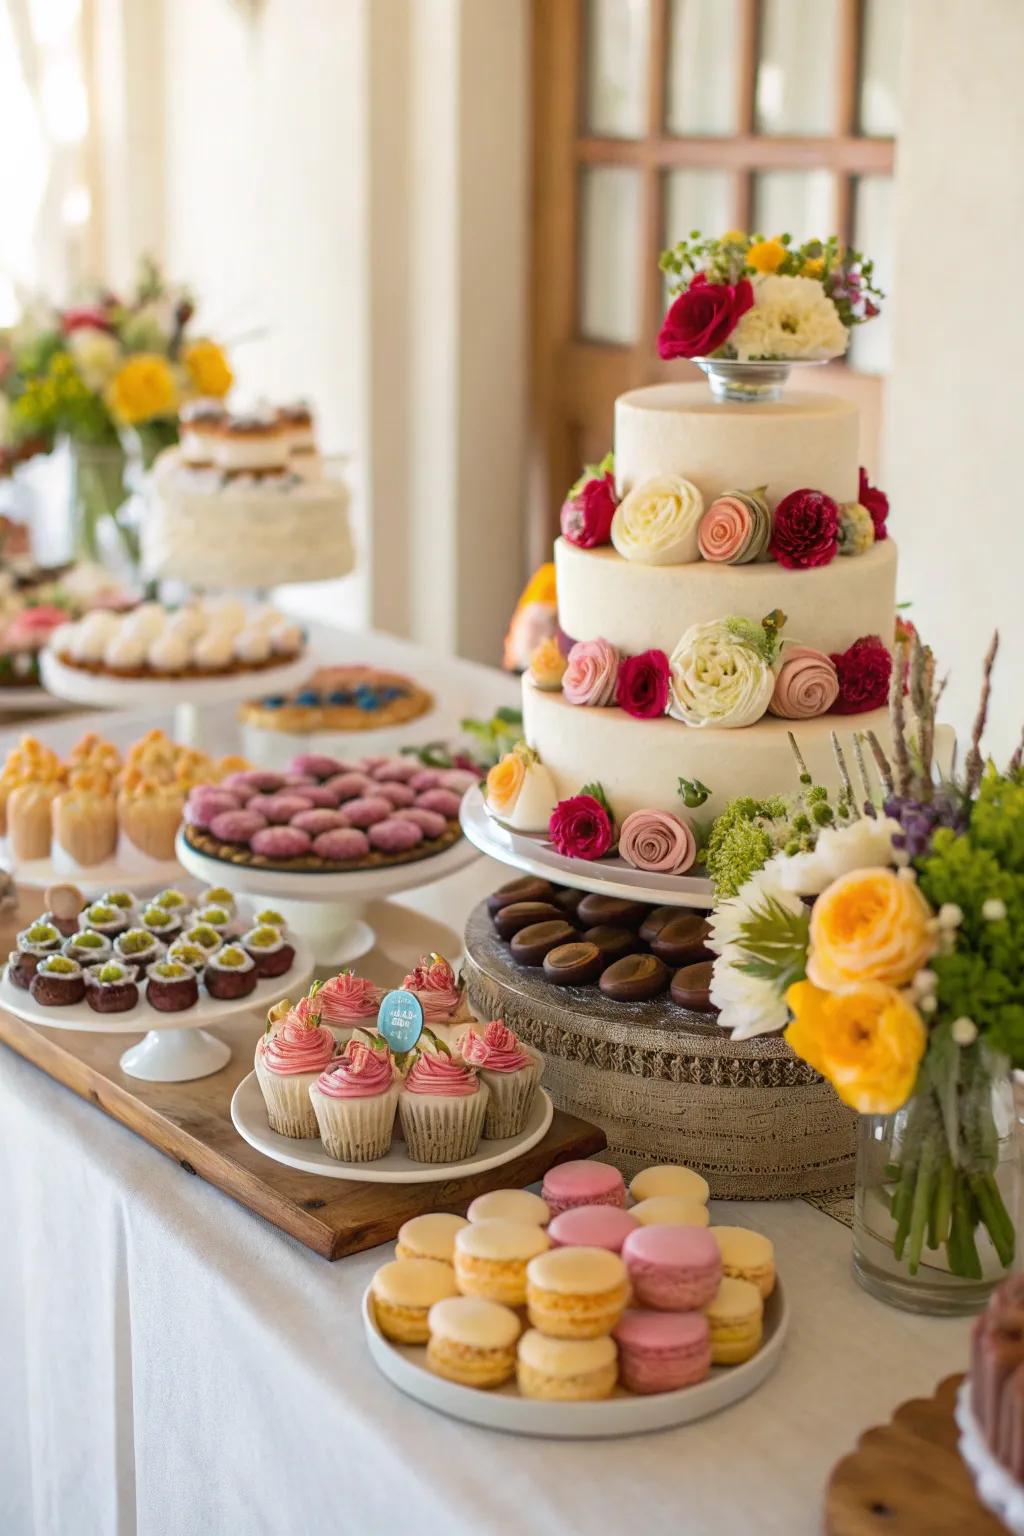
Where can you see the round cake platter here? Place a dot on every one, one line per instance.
(249, 1117)
(327, 909)
(605, 877)
(176, 1047)
(624, 1413)
(128, 866)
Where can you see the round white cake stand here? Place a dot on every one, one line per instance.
(606, 877)
(176, 1047)
(249, 1116)
(184, 695)
(326, 909)
(624, 1413)
(129, 867)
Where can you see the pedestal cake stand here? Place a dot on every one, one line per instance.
(129, 866)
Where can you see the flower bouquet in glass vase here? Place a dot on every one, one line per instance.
(885, 933)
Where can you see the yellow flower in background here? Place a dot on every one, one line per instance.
(767, 255)
(814, 266)
(142, 389)
(504, 781)
(734, 237)
(867, 1041)
(541, 586)
(870, 925)
(547, 665)
(208, 369)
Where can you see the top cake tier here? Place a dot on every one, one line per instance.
(680, 429)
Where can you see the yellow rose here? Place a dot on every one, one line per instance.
(547, 666)
(867, 1041)
(142, 389)
(814, 266)
(870, 925)
(504, 782)
(767, 255)
(208, 369)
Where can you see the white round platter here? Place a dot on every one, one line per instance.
(176, 1047)
(624, 1413)
(996, 1487)
(30, 701)
(128, 867)
(607, 877)
(249, 1115)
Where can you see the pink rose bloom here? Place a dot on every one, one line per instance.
(587, 512)
(30, 629)
(348, 999)
(591, 673)
(806, 684)
(580, 828)
(497, 1049)
(642, 687)
(725, 529)
(657, 841)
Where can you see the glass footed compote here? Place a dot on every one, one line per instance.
(751, 382)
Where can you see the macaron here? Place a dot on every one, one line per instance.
(403, 1293)
(582, 1182)
(510, 1205)
(669, 1179)
(662, 1351)
(429, 1237)
(576, 1293)
(672, 1269)
(592, 1226)
(491, 1258)
(669, 1211)
(472, 1341)
(747, 1255)
(566, 1370)
(735, 1316)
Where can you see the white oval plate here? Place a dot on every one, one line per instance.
(624, 1413)
(102, 691)
(249, 1115)
(606, 877)
(129, 866)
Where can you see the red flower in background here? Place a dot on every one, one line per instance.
(642, 686)
(877, 503)
(580, 828)
(89, 315)
(805, 530)
(864, 672)
(587, 516)
(703, 317)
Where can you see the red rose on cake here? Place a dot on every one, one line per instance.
(877, 503)
(703, 318)
(805, 530)
(587, 511)
(581, 828)
(864, 672)
(642, 685)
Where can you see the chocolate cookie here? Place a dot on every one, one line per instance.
(613, 911)
(530, 945)
(691, 987)
(573, 965)
(634, 979)
(682, 940)
(520, 914)
(612, 942)
(526, 888)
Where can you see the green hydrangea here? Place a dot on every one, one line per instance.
(743, 839)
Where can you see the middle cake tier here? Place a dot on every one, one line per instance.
(643, 607)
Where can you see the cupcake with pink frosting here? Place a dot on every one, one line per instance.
(289, 1059)
(510, 1071)
(348, 1002)
(354, 1102)
(442, 998)
(442, 1107)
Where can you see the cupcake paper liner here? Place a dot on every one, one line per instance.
(287, 1099)
(355, 1130)
(443, 1129)
(511, 1099)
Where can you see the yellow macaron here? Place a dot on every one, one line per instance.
(510, 1205)
(566, 1370)
(735, 1317)
(669, 1179)
(404, 1292)
(747, 1255)
(429, 1237)
(670, 1211)
(491, 1258)
(472, 1341)
(576, 1293)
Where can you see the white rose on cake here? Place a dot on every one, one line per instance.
(864, 844)
(792, 317)
(718, 678)
(658, 522)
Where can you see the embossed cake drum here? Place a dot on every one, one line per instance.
(667, 1085)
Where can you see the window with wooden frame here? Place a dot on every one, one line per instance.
(652, 118)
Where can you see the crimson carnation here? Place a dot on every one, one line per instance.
(805, 530)
(704, 317)
(864, 672)
(877, 503)
(587, 513)
(642, 687)
(581, 828)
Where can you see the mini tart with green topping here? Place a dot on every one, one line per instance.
(189, 954)
(171, 986)
(88, 947)
(112, 987)
(270, 950)
(34, 943)
(268, 918)
(205, 936)
(217, 896)
(159, 921)
(104, 917)
(172, 901)
(122, 899)
(58, 982)
(216, 916)
(230, 973)
(137, 946)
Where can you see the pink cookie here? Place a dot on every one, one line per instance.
(444, 801)
(206, 802)
(364, 811)
(283, 807)
(261, 779)
(458, 780)
(281, 843)
(238, 784)
(342, 845)
(425, 778)
(395, 836)
(237, 826)
(320, 796)
(673, 1269)
(582, 1182)
(368, 764)
(396, 770)
(592, 1226)
(297, 780)
(662, 1351)
(317, 821)
(398, 794)
(317, 765)
(348, 785)
(432, 822)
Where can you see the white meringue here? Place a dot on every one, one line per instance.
(252, 645)
(169, 652)
(213, 651)
(286, 639)
(124, 652)
(146, 621)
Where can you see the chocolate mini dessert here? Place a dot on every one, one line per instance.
(269, 918)
(567, 901)
(103, 917)
(230, 973)
(613, 911)
(530, 945)
(682, 940)
(87, 947)
(215, 916)
(269, 949)
(118, 898)
(173, 901)
(691, 987)
(137, 946)
(526, 888)
(111, 987)
(171, 987)
(59, 982)
(573, 965)
(34, 944)
(612, 942)
(64, 903)
(189, 954)
(163, 924)
(217, 896)
(520, 914)
(205, 936)
(634, 979)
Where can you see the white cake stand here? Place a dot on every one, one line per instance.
(606, 877)
(184, 695)
(176, 1047)
(129, 867)
(326, 909)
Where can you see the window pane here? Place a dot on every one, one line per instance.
(870, 345)
(617, 53)
(799, 203)
(696, 200)
(796, 71)
(882, 48)
(703, 50)
(609, 245)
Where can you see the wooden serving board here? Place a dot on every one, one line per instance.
(907, 1478)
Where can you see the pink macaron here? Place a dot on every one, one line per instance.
(582, 1182)
(317, 765)
(341, 845)
(399, 794)
(673, 1269)
(592, 1226)
(237, 826)
(280, 842)
(662, 1351)
(432, 822)
(443, 800)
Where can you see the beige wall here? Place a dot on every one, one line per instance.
(956, 403)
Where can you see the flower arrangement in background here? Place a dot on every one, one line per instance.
(587, 511)
(754, 299)
(534, 619)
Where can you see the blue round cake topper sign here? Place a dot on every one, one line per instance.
(400, 1020)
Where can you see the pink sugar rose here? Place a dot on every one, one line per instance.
(591, 673)
(658, 842)
(643, 683)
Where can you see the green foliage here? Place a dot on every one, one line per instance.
(775, 941)
(742, 840)
(692, 793)
(725, 261)
(596, 792)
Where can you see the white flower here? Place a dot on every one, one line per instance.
(718, 679)
(792, 317)
(964, 1031)
(864, 844)
(950, 915)
(657, 523)
(993, 910)
(730, 915)
(747, 1005)
(96, 354)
